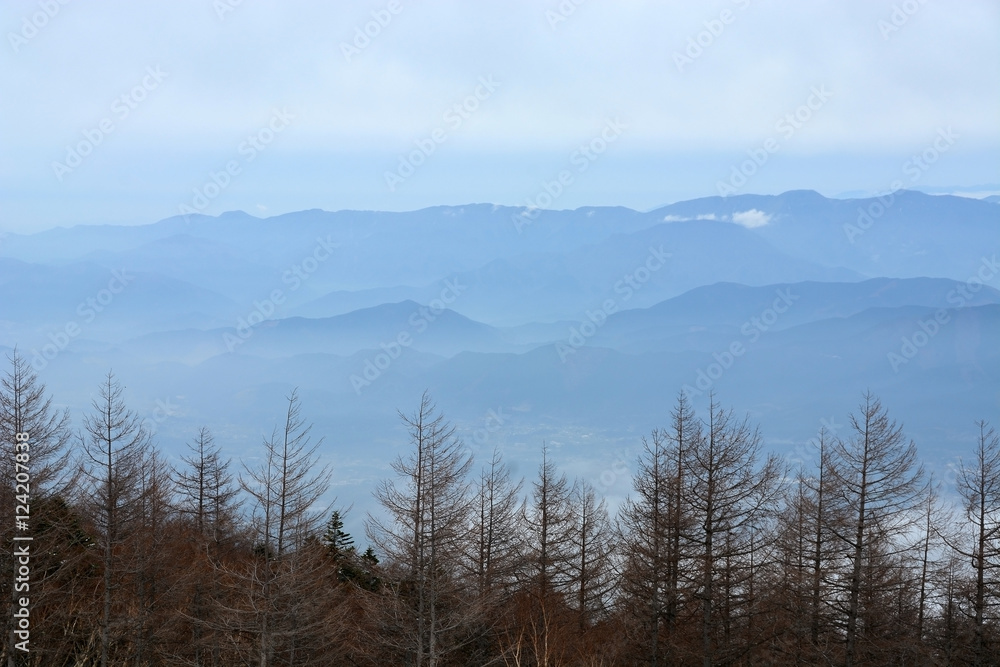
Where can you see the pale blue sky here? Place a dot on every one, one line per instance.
(201, 85)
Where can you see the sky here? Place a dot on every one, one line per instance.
(129, 113)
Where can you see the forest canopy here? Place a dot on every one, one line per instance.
(723, 553)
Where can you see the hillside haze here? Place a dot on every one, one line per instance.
(577, 327)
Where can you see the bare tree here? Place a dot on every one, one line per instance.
(285, 486)
(935, 527)
(686, 435)
(949, 632)
(877, 477)
(811, 558)
(208, 496)
(979, 488)
(794, 555)
(549, 520)
(424, 537)
(731, 494)
(644, 525)
(652, 525)
(498, 536)
(208, 503)
(591, 568)
(26, 408)
(279, 607)
(157, 563)
(827, 514)
(495, 553)
(115, 447)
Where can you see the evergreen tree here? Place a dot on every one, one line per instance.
(339, 543)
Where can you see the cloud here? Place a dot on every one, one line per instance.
(683, 218)
(751, 219)
(355, 117)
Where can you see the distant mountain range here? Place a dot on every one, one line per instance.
(579, 327)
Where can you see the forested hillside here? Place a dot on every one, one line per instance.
(723, 554)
